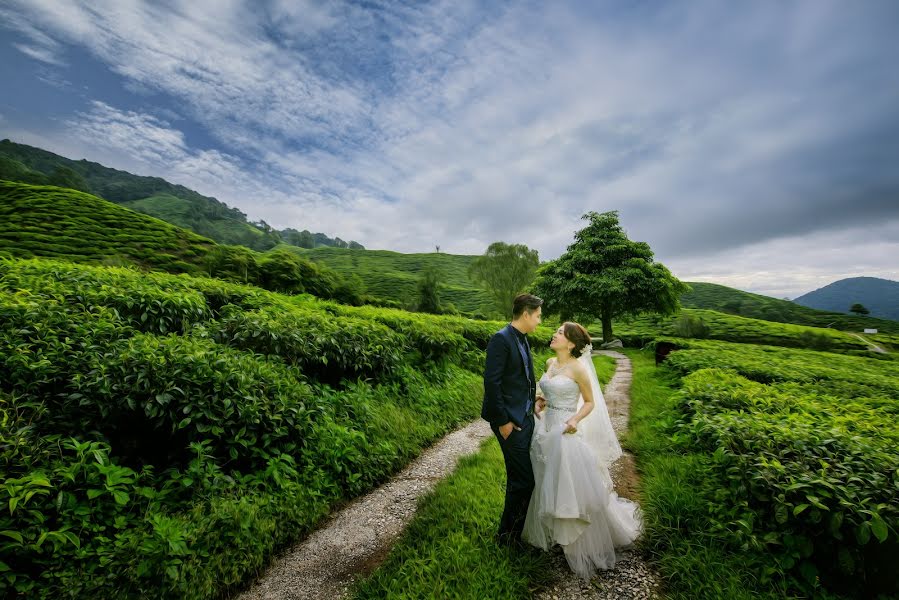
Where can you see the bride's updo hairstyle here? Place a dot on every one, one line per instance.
(577, 335)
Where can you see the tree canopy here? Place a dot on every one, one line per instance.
(505, 270)
(859, 309)
(605, 275)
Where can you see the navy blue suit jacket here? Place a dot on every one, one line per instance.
(508, 390)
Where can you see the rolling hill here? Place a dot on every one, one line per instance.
(880, 296)
(394, 276)
(53, 222)
(745, 304)
(153, 196)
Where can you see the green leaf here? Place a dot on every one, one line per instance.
(863, 533)
(120, 497)
(799, 508)
(93, 493)
(879, 528)
(13, 534)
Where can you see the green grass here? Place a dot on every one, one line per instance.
(449, 551)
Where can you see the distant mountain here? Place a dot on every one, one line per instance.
(152, 196)
(880, 296)
(724, 299)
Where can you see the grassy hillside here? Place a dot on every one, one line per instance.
(188, 213)
(724, 299)
(394, 276)
(150, 195)
(53, 222)
(47, 221)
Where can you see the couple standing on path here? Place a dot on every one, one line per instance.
(558, 443)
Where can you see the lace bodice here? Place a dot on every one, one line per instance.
(561, 393)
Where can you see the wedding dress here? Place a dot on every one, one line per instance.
(574, 503)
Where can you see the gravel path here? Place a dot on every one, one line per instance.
(356, 539)
(631, 579)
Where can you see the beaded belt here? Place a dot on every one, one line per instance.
(561, 408)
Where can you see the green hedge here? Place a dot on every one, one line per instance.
(164, 436)
(804, 463)
(720, 326)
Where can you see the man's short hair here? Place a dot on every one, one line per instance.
(525, 302)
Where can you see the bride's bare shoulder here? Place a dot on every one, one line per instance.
(578, 369)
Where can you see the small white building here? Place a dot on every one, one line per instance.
(870, 331)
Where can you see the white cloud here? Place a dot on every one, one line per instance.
(43, 54)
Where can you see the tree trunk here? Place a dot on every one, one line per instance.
(606, 328)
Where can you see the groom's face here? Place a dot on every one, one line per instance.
(532, 319)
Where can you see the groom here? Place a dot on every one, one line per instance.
(509, 389)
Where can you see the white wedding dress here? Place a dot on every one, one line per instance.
(574, 503)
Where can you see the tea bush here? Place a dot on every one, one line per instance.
(164, 436)
(803, 448)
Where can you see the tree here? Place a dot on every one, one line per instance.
(859, 309)
(428, 294)
(605, 275)
(505, 270)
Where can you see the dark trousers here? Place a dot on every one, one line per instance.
(519, 479)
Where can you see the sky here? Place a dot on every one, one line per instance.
(751, 144)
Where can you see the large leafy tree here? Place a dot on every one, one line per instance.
(605, 275)
(505, 270)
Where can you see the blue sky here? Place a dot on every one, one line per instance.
(753, 144)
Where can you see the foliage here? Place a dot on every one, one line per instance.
(428, 294)
(690, 326)
(391, 278)
(60, 223)
(800, 452)
(164, 436)
(505, 270)
(232, 262)
(604, 274)
(55, 222)
(679, 496)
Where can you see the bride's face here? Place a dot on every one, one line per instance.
(559, 341)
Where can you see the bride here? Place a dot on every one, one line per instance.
(574, 503)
